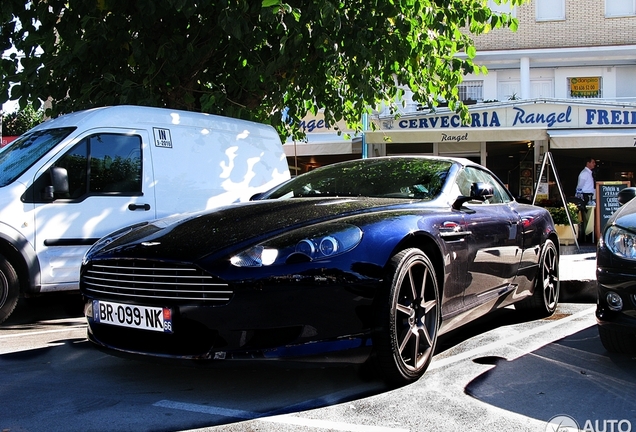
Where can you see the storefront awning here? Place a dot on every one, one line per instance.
(469, 134)
(591, 138)
(321, 144)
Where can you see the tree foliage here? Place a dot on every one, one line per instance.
(241, 58)
(20, 121)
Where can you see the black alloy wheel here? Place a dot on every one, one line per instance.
(545, 298)
(407, 336)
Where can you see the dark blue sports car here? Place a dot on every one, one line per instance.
(368, 259)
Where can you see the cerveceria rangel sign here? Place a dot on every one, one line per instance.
(528, 114)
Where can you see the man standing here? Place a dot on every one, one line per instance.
(585, 185)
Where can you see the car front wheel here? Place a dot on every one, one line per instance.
(410, 318)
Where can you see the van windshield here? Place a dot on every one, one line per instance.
(20, 154)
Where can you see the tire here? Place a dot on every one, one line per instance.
(9, 289)
(545, 298)
(409, 318)
(617, 341)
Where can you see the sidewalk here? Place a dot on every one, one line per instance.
(577, 271)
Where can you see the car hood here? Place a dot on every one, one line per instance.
(195, 236)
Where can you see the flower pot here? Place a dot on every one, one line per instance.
(565, 234)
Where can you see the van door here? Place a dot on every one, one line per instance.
(109, 185)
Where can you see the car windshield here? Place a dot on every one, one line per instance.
(20, 154)
(416, 178)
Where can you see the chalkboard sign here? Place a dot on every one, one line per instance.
(607, 201)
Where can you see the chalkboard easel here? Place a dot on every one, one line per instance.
(606, 202)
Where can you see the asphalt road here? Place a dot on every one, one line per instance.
(503, 373)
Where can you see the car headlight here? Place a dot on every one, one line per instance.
(621, 242)
(307, 244)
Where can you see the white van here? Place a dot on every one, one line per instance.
(71, 180)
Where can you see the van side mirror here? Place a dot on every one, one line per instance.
(59, 182)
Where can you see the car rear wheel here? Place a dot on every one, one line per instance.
(9, 289)
(545, 298)
(410, 317)
(617, 341)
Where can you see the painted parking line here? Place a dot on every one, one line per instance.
(41, 332)
(287, 419)
(206, 409)
(290, 419)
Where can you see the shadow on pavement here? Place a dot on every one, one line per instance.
(80, 388)
(45, 308)
(575, 374)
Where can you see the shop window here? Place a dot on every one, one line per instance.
(550, 10)
(584, 87)
(471, 91)
(502, 8)
(620, 8)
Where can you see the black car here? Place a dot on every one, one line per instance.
(616, 276)
(366, 259)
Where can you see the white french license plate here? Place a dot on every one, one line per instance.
(133, 316)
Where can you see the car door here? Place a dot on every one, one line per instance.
(495, 244)
(109, 186)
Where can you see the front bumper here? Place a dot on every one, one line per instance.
(623, 283)
(261, 321)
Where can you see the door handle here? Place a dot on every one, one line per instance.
(133, 207)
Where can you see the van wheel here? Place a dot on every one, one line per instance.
(409, 318)
(545, 298)
(9, 289)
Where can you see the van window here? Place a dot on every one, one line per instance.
(104, 164)
(18, 156)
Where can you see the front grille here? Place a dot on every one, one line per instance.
(144, 280)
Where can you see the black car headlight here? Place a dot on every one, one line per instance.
(307, 244)
(621, 242)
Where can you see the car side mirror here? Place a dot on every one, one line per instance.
(478, 192)
(481, 191)
(626, 195)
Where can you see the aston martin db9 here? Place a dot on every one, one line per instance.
(369, 259)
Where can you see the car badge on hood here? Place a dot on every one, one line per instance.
(150, 243)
